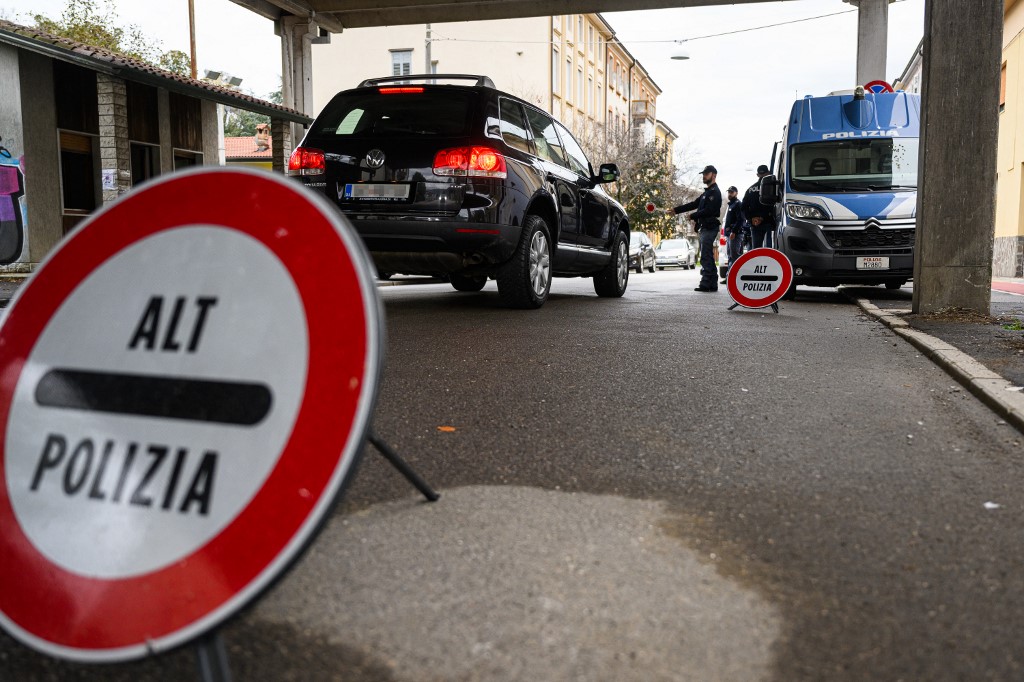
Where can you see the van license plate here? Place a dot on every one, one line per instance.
(872, 262)
(377, 192)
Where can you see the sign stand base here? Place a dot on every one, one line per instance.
(212, 657)
(775, 307)
(403, 467)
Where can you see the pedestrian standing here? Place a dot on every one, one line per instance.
(761, 217)
(733, 228)
(706, 220)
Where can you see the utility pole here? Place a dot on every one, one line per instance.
(192, 35)
(426, 51)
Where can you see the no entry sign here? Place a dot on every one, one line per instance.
(759, 278)
(184, 387)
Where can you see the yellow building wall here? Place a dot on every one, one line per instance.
(1010, 152)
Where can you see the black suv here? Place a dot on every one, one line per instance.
(466, 182)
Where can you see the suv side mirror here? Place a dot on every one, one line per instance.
(771, 191)
(609, 172)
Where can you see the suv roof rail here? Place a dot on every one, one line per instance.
(484, 81)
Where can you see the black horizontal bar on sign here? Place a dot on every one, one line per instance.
(141, 395)
(759, 278)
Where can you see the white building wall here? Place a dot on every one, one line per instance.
(521, 67)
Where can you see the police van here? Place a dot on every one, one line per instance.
(845, 188)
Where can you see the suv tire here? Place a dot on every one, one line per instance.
(467, 282)
(611, 281)
(524, 282)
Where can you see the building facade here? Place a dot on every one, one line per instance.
(1008, 254)
(569, 65)
(80, 126)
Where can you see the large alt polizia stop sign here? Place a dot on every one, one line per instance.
(185, 384)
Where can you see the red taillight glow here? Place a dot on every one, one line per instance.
(470, 161)
(399, 91)
(306, 161)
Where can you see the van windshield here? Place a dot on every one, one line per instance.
(861, 165)
(442, 112)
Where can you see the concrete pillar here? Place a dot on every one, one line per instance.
(297, 36)
(281, 143)
(42, 199)
(957, 170)
(115, 151)
(872, 39)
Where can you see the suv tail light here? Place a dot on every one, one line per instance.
(470, 161)
(306, 161)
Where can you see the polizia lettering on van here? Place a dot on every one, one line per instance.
(861, 133)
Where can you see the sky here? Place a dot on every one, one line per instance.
(727, 103)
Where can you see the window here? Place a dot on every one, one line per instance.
(555, 71)
(145, 160)
(590, 95)
(186, 159)
(1002, 88)
(568, 27)
(513, 125)
(851, 165)
(579, 29)
(415, 114)
(568, 78)
(610, 73)
(580, 96)
(401, 62)
(577, 159)
(549, 147)
(78, 177)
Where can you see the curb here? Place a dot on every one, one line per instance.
(992, 389)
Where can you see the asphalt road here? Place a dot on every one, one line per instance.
(650, 488)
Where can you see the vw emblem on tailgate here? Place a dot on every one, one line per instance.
(375, 158)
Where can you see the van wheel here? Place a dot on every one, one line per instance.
(790, 292)
(524, 282)
(612, 280)
(467, 283)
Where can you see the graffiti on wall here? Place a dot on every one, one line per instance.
(12, 218)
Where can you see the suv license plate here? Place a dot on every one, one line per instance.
(377, 192)
(873, 263)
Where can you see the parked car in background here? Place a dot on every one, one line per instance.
(674, 253)
(466, 182)
(641, 252)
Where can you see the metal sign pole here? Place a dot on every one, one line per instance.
(403, 467)
(212, 657)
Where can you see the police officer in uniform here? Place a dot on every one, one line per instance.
(733, 227)
(761, 217)
(706, 221)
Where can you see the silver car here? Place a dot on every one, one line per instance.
(674, 253)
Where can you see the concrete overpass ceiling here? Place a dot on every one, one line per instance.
(336, 15)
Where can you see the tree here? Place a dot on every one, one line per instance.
(95, 23)
(646, 175)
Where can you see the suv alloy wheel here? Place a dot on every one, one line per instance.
(525, 280)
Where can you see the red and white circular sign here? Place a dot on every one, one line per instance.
(185, 385)
(759, 278)
(649, 207)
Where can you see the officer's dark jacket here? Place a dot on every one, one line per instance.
(752, 206)
(733, 218)
(708, 205)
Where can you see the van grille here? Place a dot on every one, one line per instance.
(892, 241)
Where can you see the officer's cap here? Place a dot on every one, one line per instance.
(732, 188)
(709, 169)
(762, 169)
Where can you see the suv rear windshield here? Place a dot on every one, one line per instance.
(441, 112)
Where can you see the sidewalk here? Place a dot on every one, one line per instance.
(984, 354)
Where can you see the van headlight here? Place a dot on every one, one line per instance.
(806, 211)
